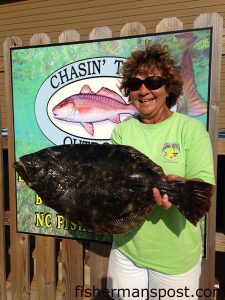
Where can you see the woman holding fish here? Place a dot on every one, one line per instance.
(161, 259)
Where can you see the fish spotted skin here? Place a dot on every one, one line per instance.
(87, 108)
(106, 188)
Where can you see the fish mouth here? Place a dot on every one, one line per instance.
(55, 112)
(21, 168)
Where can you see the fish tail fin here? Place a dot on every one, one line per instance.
(196, 199)
(192, 198)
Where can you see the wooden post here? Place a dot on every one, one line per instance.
(216, 21)
(72, 269)
(99, 252)
(45, 252)
(40, 39)
(133, 28)
(100, 33)
(19, 243)
(72, 250)
(2, 227)
(45, 255)
(69, 36)
(169, 24)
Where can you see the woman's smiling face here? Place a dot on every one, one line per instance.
(151, 104)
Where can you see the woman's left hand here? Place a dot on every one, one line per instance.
(164, 200)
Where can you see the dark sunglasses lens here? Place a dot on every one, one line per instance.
(134, 83)
(154, 82)
(151, 83)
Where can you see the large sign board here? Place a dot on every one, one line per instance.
(54, 91)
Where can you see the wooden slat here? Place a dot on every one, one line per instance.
(40, 39)
(72, 251)
(221, 147)
(220, 242)
(223, 43)
(45, 251)
(221, 123)
(19, 243)
(45, 248)
(99, 257)
(2, 228)
(216, 21)
(169, 24)
(69, 36)
(72, 269)
(100, 33)
(222, 109)
(133, 28)
(2, 101)
(99, 252)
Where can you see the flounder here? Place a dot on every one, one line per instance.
(107, 188)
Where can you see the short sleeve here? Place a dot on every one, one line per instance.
(199, 156)
(116, 136)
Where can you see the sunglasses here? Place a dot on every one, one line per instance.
(151, 83)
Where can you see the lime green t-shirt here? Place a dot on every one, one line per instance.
(166, 241)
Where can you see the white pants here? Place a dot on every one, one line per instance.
(128, 282)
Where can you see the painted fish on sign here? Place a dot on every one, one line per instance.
(88, 107)
(82, 105)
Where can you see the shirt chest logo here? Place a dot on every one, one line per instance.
(170, 152)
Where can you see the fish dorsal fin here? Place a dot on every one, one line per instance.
(110, 94)
(196, 105)
(89, 128)
(86, 90)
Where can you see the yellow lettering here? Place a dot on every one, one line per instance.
(62, 222)
(39, 220)
(59, 221)
(43, 220)
(66, 224)
(48, 220)
(73, 226)
(38, 200)
(20, 179)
